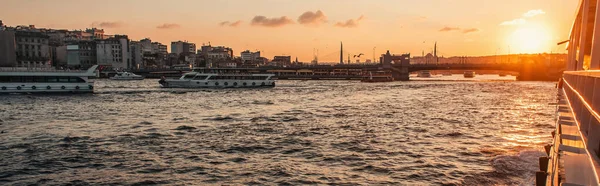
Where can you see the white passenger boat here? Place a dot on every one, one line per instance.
(220, 78)
(424, 74)
(469, 74)
(43, 80)
(127, 76)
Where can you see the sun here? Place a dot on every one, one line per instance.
(531, 39)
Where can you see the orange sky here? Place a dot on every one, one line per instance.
(296, 28)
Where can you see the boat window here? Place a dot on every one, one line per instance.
(75, 79)
(188, 77)
(39, 79)
(27, 79)
(4, 79)
(52, 79)
(15, 79)
(63, 79)
(200, 77)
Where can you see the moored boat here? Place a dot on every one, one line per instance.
(219, 78)
(424, 74)
(127, 76)
(26, 80)
(469, 74)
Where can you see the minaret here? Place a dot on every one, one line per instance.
(341, 53)
(435, 53)
(435, 49)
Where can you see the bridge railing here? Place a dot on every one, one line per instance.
(582, 89)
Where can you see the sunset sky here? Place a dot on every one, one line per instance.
(297, 27)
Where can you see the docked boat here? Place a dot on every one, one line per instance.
(220, 78)
(127, 76)
(377, 76)
(41, 80)
(424, 74)
(469, 74)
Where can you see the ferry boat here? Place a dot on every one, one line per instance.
(377, 76)
(220, 78)
(573, 157)
(424, 74)
(126, 76)
(469, 74)
(41, 80)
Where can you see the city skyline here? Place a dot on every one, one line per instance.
(461, 27)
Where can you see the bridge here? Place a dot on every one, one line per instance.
(527, 68)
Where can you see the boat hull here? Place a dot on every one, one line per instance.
(126, 78)
(46, 87)
(217, 84)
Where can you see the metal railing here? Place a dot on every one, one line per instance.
(583, 94)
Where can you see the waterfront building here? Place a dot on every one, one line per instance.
(8, 57)
(248, 56)
(282, 61)
(33, 48)
(114, 52)
(179, 47)
(81, 54)
(159, 48)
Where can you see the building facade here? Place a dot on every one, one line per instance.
(81, 54)
(283, 61)
(8, 57)
(114, 52)
(179, 47)
(248, 56)
(32, 48)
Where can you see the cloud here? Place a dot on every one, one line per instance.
(271, 22)
(107, 24)
(231, 24)
(312, 18)
(518, 21)
(533, 13)
(168, 26)
(350, 23)
(470, 30)
(448, 29)
(523, 20)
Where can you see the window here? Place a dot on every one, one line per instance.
(39, 79)
(39, 54)
(39, 47)
(4, 79)
(200, 77)
(52, 79)
(63, 79)
(188, 77)
(15, 79)
(75, 79)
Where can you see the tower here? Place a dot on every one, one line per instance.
(341, 53)
(435, 53)
(435, 49)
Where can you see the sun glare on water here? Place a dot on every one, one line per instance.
(530, 40)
